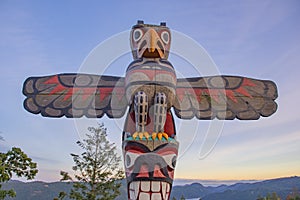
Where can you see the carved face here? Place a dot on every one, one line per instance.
(150, 41)
(149, 167)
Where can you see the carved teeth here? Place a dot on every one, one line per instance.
(155, 186)
(131, 186)
(155, 196)
(136, 187)
(132, 195)
(145, 186)
(144, 196)
(167, 196)
(163, 189)
(149, 190)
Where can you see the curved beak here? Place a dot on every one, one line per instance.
(153, 37)
(151, 45)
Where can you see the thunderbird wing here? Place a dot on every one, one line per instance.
(75, 95)
(225, 97)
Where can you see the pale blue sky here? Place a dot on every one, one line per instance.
(258, 39)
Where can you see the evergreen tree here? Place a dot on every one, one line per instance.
(97, 170)
(15, 161)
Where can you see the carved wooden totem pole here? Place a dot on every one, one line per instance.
(150, 89)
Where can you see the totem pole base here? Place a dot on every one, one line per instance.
(149, 167)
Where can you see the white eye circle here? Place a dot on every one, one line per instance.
(171, 160)
(137, 34)
(130, 159)
(165, 36)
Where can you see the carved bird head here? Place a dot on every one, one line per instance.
(150, 41)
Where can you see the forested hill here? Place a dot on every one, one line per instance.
(245, 191)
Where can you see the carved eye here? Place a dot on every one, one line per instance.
(171, 160)
(130, 159)
(137, 34)
(165, 37)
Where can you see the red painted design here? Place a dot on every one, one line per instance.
(104, 92)
(157, 172)
(151, 73)
(52, 80)
(169, 127)
(70, 92)
(87, 92)
(180, 92)
(248, 82)
(216, 94)
(58, 89)
(144, 171)
(230, 94)
(198, 94)
(242, 91)
(84, 92)
(119, 92)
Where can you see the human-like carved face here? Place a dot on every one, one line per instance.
(149, 167)
(150, 41)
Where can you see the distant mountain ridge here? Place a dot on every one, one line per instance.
(214, 183)
(240, 191)
(245, 191)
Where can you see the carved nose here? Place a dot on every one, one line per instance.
(157, 173)
(150, 165)
(144, 171)
(153, 172)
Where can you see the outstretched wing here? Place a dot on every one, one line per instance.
(225, 97)
(75, 95)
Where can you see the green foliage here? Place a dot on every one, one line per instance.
(5, 193)
(15, 161)
(61, 196)
(97, 171)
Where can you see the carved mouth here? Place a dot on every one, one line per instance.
(155, 54)
(149, 190)
(144, 50)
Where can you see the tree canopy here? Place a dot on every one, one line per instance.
(97, 171)
(15, 161)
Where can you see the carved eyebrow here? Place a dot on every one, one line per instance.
(137, 146)
(166, 148)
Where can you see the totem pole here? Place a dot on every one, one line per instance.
(150, 89)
